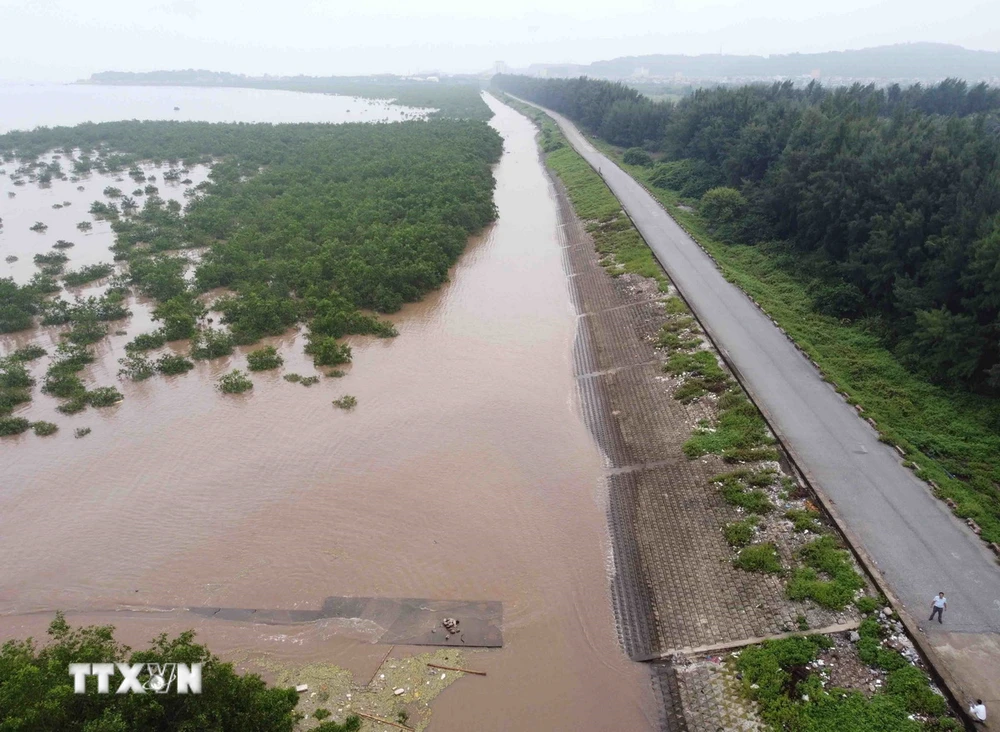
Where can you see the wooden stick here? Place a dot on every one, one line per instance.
(453, 668)
(380, 664)
(383, 721)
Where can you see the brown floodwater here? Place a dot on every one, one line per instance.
(465, 472)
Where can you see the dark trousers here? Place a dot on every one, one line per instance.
(936, 611)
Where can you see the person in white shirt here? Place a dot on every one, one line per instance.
(978, 711)
(940, 603)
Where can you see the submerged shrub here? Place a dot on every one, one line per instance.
(346, 402)
(13, 425)
(10, 398)
(104, 396)
(804, 520)
(13, 375)
(88, 274)
(309, 380)
(235, 382)
(147, 341)
(81, 432)
(28, 353)
(210, 343)
(327, 352)
(135, 367)
(264, 358)
(172, 364)
(43, 429)
(294, 378)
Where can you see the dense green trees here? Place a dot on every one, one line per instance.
(890, 197)
(36, 694)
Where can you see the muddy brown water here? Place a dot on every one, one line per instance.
(464, 472)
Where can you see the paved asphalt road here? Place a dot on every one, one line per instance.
(914, 539)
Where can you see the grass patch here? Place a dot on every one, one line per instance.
(739, 434)
(759, 558)
(828, 577)
(742, 488)
(740, 533)
(791, 696)
(804, 520)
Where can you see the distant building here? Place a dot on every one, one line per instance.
(500, 67)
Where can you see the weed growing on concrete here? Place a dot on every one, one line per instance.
(740, 533)
(759, 558)
(740, 488)
(804, 520)
(828, 579)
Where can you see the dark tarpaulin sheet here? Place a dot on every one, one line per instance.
(405, 621)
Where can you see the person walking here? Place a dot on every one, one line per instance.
(940, 603)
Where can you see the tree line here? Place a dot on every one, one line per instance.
(890, 196)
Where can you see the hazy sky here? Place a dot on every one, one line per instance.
(63, 40)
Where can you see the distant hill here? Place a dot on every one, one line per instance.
(909, 62)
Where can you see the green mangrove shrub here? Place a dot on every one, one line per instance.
(263, 359)
(172, 364)
(235, 382)
(44, 429)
